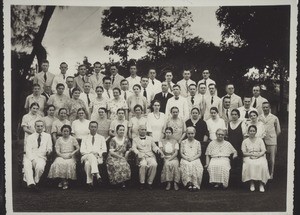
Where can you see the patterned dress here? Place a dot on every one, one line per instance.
(255, 169)
(170, 171)
(72, 107)
(191, 171)
(117, 168)
(114, 105)
(219, 164)
(96, 104)
(103, 127)
(64, 168)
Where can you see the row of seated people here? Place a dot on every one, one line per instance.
(187, 170)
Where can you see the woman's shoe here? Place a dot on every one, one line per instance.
(252, 187)
(261, 188)
(65, 185)
(195, 188)
(176, 186)
(168, 187)
(60, 184)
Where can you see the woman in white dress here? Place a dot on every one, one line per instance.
(255, 165)
(97, 103)
(80, 126)
(261, 130)
(214, 123)
(217, 160)
(190, 165)
(136, 99)
(49, 119)
(156, 121)
(136, 121)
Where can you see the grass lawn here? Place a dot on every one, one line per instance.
(235, 198)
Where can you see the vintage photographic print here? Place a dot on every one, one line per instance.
(135, 106)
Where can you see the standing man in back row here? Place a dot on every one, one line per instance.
(153, 82)
(235, 100)
(207, 81)
(96, 78)
(115, 77)
(133, 78)
(44, 78)
(257, 99)
(185, 83)
(81, 78)
(61, 77)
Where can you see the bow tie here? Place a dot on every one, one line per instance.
(143, 138)
(176, 98)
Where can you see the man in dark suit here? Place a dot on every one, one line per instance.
(47, 92)
(81, 78)
(163, 97)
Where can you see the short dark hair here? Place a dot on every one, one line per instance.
(97, 62)
(106, 78)
(93, 122)
(237, 112)
(99, 87)
(75, 89)
(34, 104)
(66, 126)
(214, 108)
(63, 63)
(45, 61)
(138, 106)
(118, 89)
(169, 129)
(193, 85)
(225, 97)
(60, 85)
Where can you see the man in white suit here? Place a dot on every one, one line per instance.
(257, 99)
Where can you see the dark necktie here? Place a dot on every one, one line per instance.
(45, 76)
(64, 76)
(254, 104)
(125, 96)
(145, 93)
(113, 79)
(153, 82)
(187, 86)
(205, 82)
(88, 99)
(70, 92)
(93, 139)
(192, 100)
(212, 100)
(247, 114)
(227, 114)
(83, 79)
(39, 139)
(108, 94)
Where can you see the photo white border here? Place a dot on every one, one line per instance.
(189, 3)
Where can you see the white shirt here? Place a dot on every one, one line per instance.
(150, 94)
(156, 87)
(87, 147)
(214, 125)
(96, 82)
(157, 125)
(107, 94)
(217, 102)
(32, 149)
(67, 92)
(128, 94)
(259, 101)
(83, 97)
(182, 105)
(132, 81)
(80, 129)
(59, 79)
(243, 111)
(184, 84)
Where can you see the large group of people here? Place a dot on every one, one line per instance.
(186, 124)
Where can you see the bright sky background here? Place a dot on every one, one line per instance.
(74, 32)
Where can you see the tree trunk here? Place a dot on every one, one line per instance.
(37, 42)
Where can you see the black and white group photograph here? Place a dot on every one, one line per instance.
(116, 107)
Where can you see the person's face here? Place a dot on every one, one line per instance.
(51, 111)
(212, 90)
(60, 90)
(124, 86)
(39, 127)
(116, 94)
(266, 108)
(186, 75)
(47, 89)
(70, 82)
(121, 131)
(136, 90)
(230, 89)
(97, 68)
(168, 77)
(247, 102)
(164, 87)
(132, 70)
(252, 132)
(93, 128)
(142, 131)
(138, 111)
(82, 70)
(144, 82)
(76, 94)
(63, 68)
(156, 106)
(205, 74)
(202, 89)
(190, 134)
(220, 135)
(152, 74)
(81, 114)
(256, 91)
(192, 90)
(168, 134)
(101, 113)
(63, 114)
(234, 116)
(113, 70)
(66, 132)
(36, 90)
(175, 113)
(195, 114)
(45, 67)
(121, 115)
(176, 91)
(213, 114)
(226, 103)
(99, 92)
(107, 84)
(34, 109)
(86, 88)
(253, 117)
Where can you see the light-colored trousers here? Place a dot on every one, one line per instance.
(90, 166)
(147, 166)
(33, 170)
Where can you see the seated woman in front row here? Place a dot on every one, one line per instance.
(190, 165)
(170, 172)
(255, 165)
(217, 160)
(117, 166)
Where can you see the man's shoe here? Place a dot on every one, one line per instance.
(176, 186)
(142, 186)
(90, 188)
